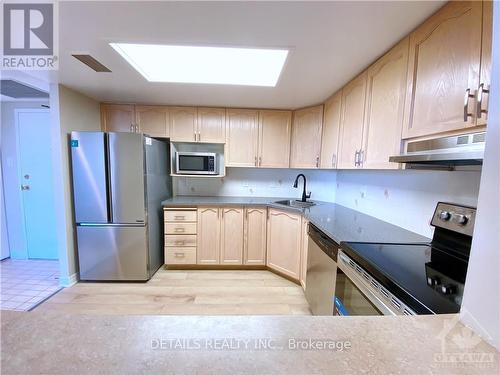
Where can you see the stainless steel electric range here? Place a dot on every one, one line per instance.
(398, 279)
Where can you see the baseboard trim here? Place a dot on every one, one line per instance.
(71, 280)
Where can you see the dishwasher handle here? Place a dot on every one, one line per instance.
(324, 242)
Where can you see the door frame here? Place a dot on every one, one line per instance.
(17, 111)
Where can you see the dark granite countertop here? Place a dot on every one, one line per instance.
(338, 222)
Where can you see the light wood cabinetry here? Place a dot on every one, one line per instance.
(386, 88)
(351, 122)
(331, 130)
(153, 120)
(242, 138)
(306, 137)
(231, 251)
(211, 125)
(284, 241)
(443, 68)
(485, 72)
(183, 124)
(208, 249)
(180, 236)
(255, 236)
(303, 253)
(274, 139)
(118, 118)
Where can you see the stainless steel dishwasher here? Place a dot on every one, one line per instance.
(321, 272)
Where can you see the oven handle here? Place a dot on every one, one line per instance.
(343, 264)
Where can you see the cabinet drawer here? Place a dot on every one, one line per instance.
(180, 240)
(180, 215)
(180, 228)
(180, 255)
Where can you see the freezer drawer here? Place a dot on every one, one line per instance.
(112, 252)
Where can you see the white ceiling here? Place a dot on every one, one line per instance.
(330, 43)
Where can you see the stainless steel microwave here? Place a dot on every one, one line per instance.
(196, 163)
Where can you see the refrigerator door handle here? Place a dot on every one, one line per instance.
(108, 178)
(109, 225)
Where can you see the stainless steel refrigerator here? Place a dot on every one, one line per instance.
(119, 181)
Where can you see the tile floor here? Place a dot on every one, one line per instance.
(26, 283)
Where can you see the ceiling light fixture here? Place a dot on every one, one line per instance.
(207, 65)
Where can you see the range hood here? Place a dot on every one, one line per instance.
(446, 152)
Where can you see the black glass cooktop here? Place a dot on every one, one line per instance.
(428, 280)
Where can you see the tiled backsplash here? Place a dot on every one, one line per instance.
(260, 183)
(405, 198)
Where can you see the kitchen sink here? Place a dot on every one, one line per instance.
(295, 203)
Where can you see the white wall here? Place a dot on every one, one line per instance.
(15, 227)
(481, 303)
(260, 183)
(71, 111)
(406, 198)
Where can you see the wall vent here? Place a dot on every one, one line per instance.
(18, 90)
(92, 63)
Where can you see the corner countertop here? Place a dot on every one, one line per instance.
(340, 223)
(51, 343)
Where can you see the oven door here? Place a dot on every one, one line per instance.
(350, 300)
(353, 296)
(196, 163)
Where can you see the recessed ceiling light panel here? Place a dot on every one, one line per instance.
(208, 65)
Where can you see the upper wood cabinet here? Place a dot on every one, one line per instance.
(183, 124)
(118, 117)
(153, 120)
(208, 236)
(351, 122)
(242, 138)
(211, 125)
(255, 236)
(386, 88)
(306, 137)
(443, 70)
(330, 135)
(284, 241)
(274, 138)
(485, 73)
(231, 242)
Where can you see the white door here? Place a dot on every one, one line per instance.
(4, 240)
(36, 182)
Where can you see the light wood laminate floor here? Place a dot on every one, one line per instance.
(196, 292)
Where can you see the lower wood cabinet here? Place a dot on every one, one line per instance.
(208, 236)
(231, 236)
(284, 242)
(255, 241)
(303, 253)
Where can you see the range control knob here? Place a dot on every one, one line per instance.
(433, 281)
(444, 215)
(448, 289)
(460, 219)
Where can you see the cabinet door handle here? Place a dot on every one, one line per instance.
(195, 136)
(255, 161)
(180, 243)
(333, 160)
(356, 158)
(317, 161)
(466, 105)
(361, 158)
(179, 255)
(479, 103)
(179, 229)
(260, 161)
(131, 128)
(180, 217)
